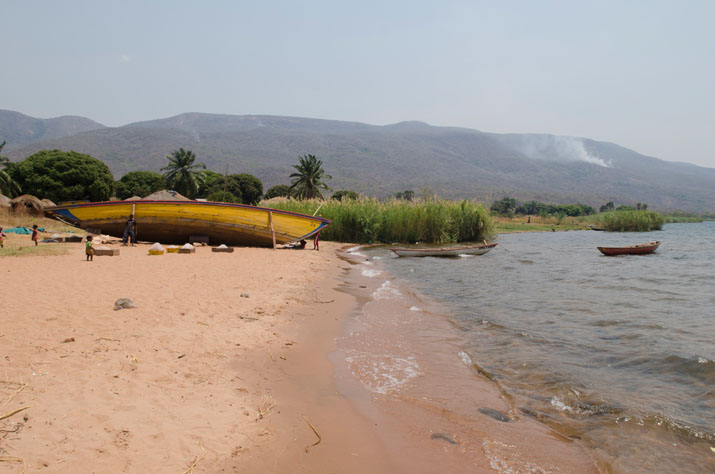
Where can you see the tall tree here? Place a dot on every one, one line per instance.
(182, 174)
(8, 186)
(308, 180)
(63, 176)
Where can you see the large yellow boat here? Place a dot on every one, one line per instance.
(179, 222)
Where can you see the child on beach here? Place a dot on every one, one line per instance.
(2, 239)
(34, 234)
(88, 249)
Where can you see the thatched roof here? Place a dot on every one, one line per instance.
(4, 201)
(27, 203)
(133, 198)
(47, 203)
(165, 195)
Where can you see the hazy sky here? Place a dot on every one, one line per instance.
(637, 73)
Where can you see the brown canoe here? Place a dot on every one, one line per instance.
(640, 249)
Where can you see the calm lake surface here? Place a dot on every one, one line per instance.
(614, 351)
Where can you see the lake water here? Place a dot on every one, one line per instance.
(614, 351)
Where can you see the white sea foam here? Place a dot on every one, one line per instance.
(354, 251)
(370, 273)
(559, 404)
(383, 374)
(466, 359)
(415, 308)
(386, 291)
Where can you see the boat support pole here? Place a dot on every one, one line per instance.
(273, 232)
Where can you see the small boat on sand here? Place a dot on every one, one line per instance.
(444, 252)
(639, 249)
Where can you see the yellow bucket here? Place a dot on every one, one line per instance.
(172, 249)
(156, 252)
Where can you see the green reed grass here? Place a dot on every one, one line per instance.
(367, 220)
(629, 221)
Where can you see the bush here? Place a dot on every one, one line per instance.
(63, 176)
(630, 221)
(138, 183)
(367, 220)
(280, 190)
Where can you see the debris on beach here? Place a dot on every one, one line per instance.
(245, 295)
(497, 415)
(124, 303)
(443, 437)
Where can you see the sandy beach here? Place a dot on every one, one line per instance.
(223, 366)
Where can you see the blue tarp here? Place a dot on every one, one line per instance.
(21, 230)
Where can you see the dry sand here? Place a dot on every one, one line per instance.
(222, 367)
(196, 375)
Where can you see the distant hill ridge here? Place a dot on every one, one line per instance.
(381, 160)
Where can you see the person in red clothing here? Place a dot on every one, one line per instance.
(34, 234)
(316, 246)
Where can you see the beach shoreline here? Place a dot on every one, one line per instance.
(230, 363)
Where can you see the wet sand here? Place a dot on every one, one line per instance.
(229, 363)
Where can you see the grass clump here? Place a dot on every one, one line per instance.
(368, 220)
(630, 221)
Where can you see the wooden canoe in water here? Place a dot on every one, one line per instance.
(631, 250)
(444, 252)
(179, 222)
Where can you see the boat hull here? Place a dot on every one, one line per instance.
(641, 249)
(178, 222)
(442, 252)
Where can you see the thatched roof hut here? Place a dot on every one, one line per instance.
(166, 195)
(27, 203)
(4, 201)
(47, 203)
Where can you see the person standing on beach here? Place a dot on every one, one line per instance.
(2, 239)
(88, 249)
(315, 242)
(130, 231)
(34, 234)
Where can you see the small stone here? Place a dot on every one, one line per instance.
(497, 415)
(124, 303)
(245, 295)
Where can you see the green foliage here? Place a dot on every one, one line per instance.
(340, 195)
(8, 186)
(625, 208)
(240, 188)
(223, 188)
(219, 195)
(280, 190)
(407, 195)
(182, 174)
(367, 220)
(609, 206)
(504, 207)
(630, 221)
(251, 188)
(534, 208)
(138, 183)
(63, 176)
(308, 179)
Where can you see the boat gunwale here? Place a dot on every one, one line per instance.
(210, 203)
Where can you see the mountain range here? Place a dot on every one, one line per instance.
(382, 160)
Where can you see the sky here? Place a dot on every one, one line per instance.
(637, 73)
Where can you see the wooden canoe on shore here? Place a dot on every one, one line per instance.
(640, 249)
(179, 222)
(444, 252)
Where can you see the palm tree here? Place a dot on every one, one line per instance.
(308, 180)
(8, 185)
(182, 174)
